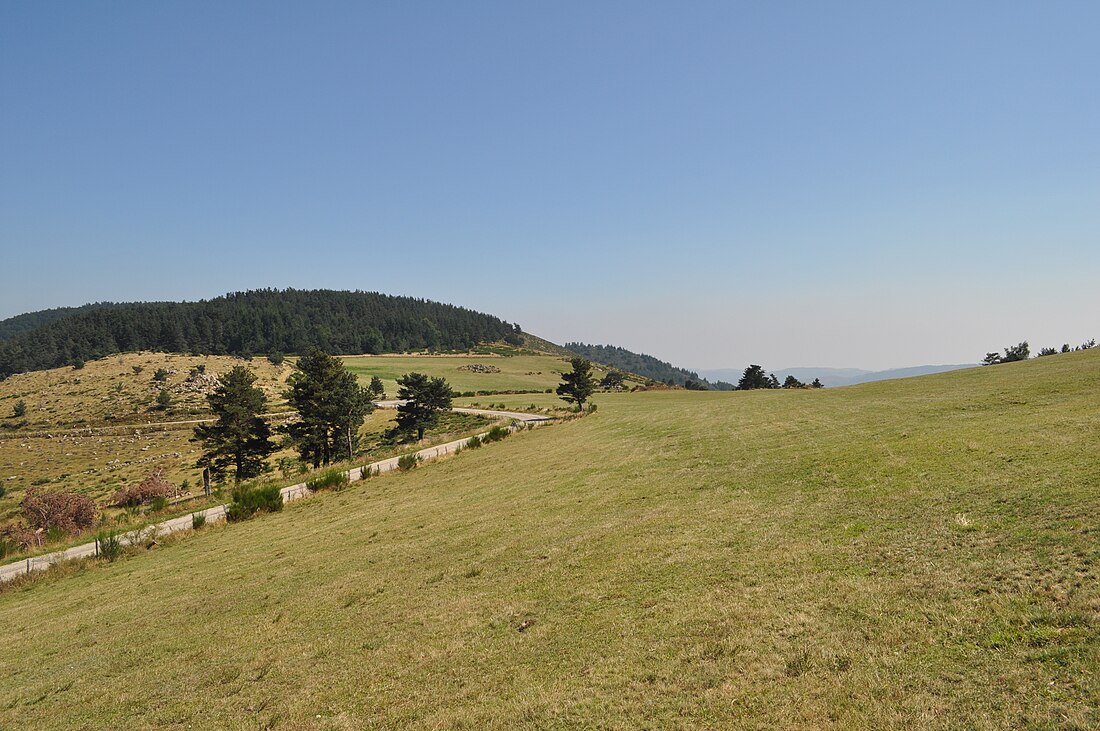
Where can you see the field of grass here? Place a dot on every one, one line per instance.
(517, 372)
(910, 554)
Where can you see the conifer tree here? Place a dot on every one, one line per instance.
(424, 399)
(331, 407)
(577, 385)
(240, 438)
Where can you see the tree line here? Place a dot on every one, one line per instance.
(246, 323)
(1022, 351)
(754, 378)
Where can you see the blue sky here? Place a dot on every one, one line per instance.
(791, 183)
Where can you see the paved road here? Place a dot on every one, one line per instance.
(290, 494)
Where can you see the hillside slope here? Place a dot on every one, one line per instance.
(908, 554)
(639, 363)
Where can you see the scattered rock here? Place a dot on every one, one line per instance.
(479, 368)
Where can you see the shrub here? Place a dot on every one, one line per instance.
(198, 370)
(160, 375)
(8, 547)
(20, 409)
(496, 434)
(473, 442)
(198, 520)
(249, 500)
(276, 358)
(164, 400)
(137, 369)
(158, 504)
(60, 509)
(331, 480)
(109, 545)
(78, 364)
(3, 491)
(407, 462)
(152, 487)
(366, 471)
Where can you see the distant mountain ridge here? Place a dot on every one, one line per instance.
(834, 377)
(243, 323)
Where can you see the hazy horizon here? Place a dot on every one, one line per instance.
(711, 184)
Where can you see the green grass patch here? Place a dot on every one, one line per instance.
(917, 554)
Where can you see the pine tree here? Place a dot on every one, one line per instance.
(240, 438)
(331, 407)
(376, 390)
(424, 398)
(577, 385)
(753, 378)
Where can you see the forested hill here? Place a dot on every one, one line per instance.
(260, 321)
(33, 320)
(643, 365)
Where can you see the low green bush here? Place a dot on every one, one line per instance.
(473, 442)
(407, 462)
(496, 434)
(366, 472)
(158, 504)
(198, 520)
(109, 545)
(329, 480)
(249, 500)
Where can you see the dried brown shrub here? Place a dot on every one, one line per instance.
(58, 509)
(149, 489)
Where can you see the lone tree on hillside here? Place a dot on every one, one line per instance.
(240, 438)
(331, 407)
(817, 383)
(613, 380)
(577, 385)
(792, 382)
(423, 398)
(376, 391)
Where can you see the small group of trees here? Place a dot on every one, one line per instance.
(754, 378)
(331, 408)
(1022, 351)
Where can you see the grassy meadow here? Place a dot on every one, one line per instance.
(909, 554)
(96, 429)
(520, 372)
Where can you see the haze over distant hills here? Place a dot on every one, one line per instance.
(833, 377)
